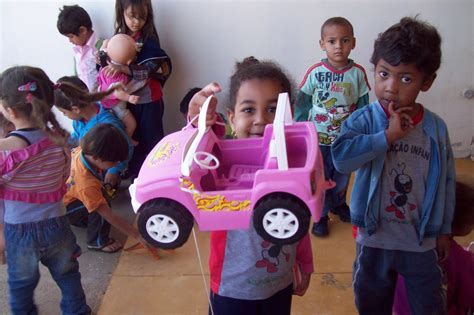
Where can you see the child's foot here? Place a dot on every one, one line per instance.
(320, 228)
(111, 246)
(343, 212)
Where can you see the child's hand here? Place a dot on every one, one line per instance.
(112, 70)
(300, 290)
(112, 179)
(133, 99)
(199, 98)
(400, 123)
(443, 247)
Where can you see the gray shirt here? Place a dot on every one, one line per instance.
(402, 189)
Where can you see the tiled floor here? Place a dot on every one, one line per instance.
(174, 284)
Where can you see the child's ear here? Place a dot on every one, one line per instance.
(353, 42)
(428, 82)
(231, 118)
(83, 30)
(321, 45)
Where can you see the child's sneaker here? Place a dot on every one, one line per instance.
(343, 212)
(320, 228)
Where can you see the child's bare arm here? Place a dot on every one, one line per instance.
(119, 223)
(122, 95)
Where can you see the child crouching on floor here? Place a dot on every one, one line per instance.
(102, 147)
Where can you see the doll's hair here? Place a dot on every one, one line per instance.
(410, 41)
(141, 9)
(72, 91)
(105, 142)
(464, 211)
(71, 18)
(251, 68)
(337, 20)
(30, 92)
(184, 104)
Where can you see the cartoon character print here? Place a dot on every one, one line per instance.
(326, 139)
(399, 199)
(322, 97)
(271, 257)
(338, 114)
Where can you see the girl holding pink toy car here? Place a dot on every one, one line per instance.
(250, 275)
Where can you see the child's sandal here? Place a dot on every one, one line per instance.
(112, 246)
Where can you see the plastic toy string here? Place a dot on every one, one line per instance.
(202, 272)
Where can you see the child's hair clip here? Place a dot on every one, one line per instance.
(30, 87)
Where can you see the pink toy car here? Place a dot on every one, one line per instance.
(276, 180)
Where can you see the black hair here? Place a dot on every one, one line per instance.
(105, 142)
(141, 9)
(29, 91)
(251, 68)
(410, 41)
(184, 104)
(71, 18)
(464, 212)
(72, 91)
(337, 20)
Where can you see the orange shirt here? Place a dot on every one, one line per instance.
(84, 184)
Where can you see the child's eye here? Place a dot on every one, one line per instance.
(248, 110)
(272, 109)
(331, 41)
(346, 40)
(383, 74)
(406, 79)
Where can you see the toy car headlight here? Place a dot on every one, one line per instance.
(135, 204)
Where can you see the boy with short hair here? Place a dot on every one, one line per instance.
(102, 147)
(330, 91)
(403, 195)
(74, 23)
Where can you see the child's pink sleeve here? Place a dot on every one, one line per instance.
(304, 255)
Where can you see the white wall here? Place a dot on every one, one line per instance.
(205, 37)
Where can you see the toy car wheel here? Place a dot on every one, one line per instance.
(281, 219)
(165, 223)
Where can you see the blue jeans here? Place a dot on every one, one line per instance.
(277, 304)
(52, 243)
(336, 196)
(375, 276)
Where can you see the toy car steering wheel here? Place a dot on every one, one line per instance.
(207, 160)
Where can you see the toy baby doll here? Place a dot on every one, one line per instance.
(121, 49)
